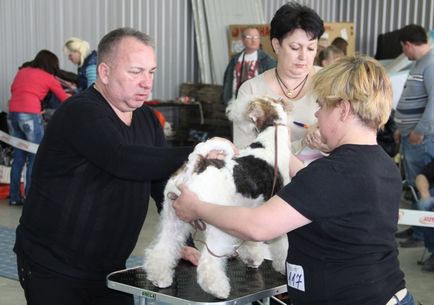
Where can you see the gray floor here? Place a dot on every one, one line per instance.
(420, 283)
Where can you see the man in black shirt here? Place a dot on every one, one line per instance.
(103, 155)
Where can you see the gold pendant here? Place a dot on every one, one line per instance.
(289, 94)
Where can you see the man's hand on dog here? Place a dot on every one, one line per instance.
(190, 254)
(220, 154)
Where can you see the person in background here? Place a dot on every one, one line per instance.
(294, 33)
(322, 44)
(31, 84)
(424, 182)
(340, 43)
(246, 64)
(330, 55)
(340, 213)
(80, 54)
(102, 157)
(414, 115)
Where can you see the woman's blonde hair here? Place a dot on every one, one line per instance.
(363, 82)
(77, 45)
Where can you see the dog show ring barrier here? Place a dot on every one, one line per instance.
(247, 285)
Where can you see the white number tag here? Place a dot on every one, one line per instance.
(295, 274)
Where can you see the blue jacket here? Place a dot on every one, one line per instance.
(83, 80)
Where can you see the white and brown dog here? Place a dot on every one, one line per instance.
(248, 179)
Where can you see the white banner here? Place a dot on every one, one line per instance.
(416, 218)
(18, 143)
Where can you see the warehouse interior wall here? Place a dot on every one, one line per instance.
(27, 26)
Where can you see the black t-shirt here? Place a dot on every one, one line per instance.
(91, 183)
(348, 254)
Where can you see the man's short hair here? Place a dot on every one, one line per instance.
(108, 44)
(414, 34)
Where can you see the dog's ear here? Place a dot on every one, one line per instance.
(255, 111)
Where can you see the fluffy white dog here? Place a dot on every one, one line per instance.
(248, 179)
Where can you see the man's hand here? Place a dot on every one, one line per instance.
(415, 138)
(397, 136)
(190, 254)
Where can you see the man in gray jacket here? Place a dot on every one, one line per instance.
(414, 116)
(246, 64)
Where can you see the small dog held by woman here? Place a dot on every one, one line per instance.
(247, 179)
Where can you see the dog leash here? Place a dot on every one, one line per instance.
(276, 169)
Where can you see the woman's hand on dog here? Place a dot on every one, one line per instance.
(185, 205)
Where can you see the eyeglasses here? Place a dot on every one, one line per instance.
(248, 37)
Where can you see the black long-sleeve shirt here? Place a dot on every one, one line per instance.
(91, 183)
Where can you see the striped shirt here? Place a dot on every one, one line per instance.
(415, 110)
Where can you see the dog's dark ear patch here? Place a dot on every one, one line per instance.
(256, 145)
(268, 114)
(254, 177)
(203, 163)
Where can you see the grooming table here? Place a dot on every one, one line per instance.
(247, 285)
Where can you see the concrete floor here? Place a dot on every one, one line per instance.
(421, 284)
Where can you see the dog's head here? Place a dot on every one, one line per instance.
(258, 113)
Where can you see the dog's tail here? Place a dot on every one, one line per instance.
(200, 152)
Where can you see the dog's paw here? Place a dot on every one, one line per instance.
(159, 277)
(252, 253)
(279, 266)
(211, 277)
(216, 284)
(158, 271)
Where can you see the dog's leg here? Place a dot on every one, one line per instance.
(162, 256)
(211, 271)
(253, 253)
(279, 250)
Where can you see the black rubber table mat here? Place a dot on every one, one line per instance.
(247, 284)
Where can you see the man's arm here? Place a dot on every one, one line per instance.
(426, 123)
(422, 186)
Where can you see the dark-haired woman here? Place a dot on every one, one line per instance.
(295, 31)
(31, 84)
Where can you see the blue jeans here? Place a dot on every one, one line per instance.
(408, 300)
(26, 126)
(428, 233)
(416, 157)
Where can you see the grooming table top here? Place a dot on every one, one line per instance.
(247, 284)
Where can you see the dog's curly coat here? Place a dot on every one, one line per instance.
(244, 180)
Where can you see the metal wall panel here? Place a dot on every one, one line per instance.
(370, 17)
(212, 18)
(27, 26)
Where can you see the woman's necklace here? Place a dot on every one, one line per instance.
(290, 92)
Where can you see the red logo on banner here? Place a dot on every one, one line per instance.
(427, 220)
